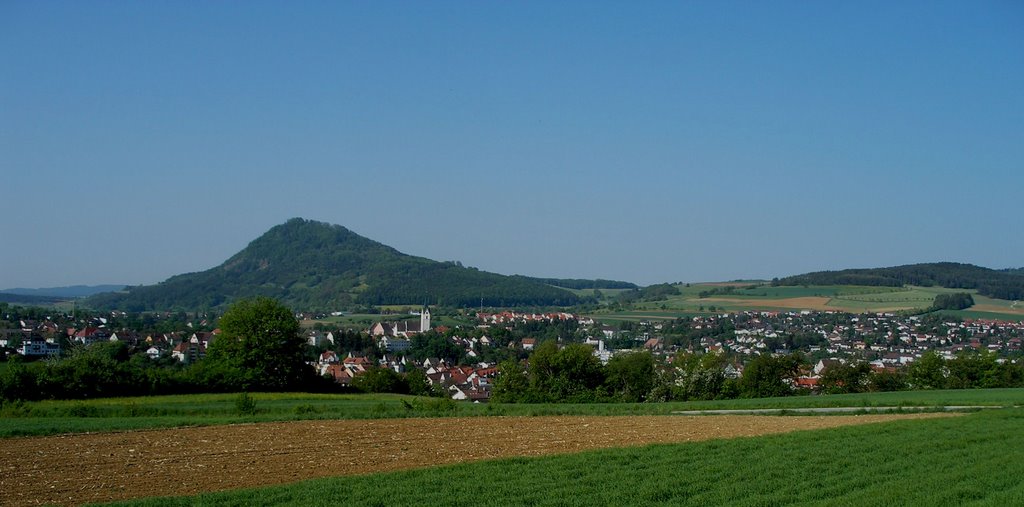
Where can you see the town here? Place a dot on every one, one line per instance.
(461, 361)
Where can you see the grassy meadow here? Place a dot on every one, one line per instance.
(121, 414)
(935, 462)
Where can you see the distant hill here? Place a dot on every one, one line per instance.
(23, 299)
(73, 291)
(1001, 284)
(578, 283)
(317, 266)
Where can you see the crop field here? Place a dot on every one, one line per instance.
(110, 466)
(996, 308)
(853, 299)
(122, 414)
(930, 462)
(295, 437)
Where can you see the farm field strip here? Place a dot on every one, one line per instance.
(796, 303)
(853, 299)
(929, 462)
(75, 469)
(834, 410)
(124, 414)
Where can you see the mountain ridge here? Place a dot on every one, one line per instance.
(312, 265)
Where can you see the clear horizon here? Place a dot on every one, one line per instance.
(649, 143)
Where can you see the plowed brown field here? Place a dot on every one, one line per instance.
(75, 469)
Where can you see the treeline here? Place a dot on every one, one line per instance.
(105, 369)
(1000, 284)
(657, 292)
(957, 301)
(582, 284)
(573, 375)
(973, 370)
(29, 300)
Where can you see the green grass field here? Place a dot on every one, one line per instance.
(937, 462)
(120, 414)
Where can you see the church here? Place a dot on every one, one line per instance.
(402, 328)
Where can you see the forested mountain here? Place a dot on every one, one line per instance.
(579, 283)
(1001, 284)
(316, 266)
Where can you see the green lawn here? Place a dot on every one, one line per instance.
(949, 461)
(119, 414)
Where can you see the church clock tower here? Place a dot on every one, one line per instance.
(425, 320)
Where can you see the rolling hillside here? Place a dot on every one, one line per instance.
(317, 266)
(999, 284)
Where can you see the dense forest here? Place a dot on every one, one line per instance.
(314, 266)
(656, 292)
(582, 283)
(957, 301)
(1000, 284)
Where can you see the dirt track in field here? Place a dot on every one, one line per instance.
(77, 469)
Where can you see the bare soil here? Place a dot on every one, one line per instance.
(82, 468)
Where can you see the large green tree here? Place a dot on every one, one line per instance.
(259, 348)
(699, 377)
(853, 377)
(928, 372)
(768, 376)
(577, 374)
(512, 384)
(630, 376)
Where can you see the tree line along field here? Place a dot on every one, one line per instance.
(697, 299)
(942, 461)
(120, 414)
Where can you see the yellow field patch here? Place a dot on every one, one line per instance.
(804, 303)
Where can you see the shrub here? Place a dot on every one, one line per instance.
(245, 404)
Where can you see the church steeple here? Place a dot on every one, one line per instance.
(425, 320)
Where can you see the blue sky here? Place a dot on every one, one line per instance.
(651, 142)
